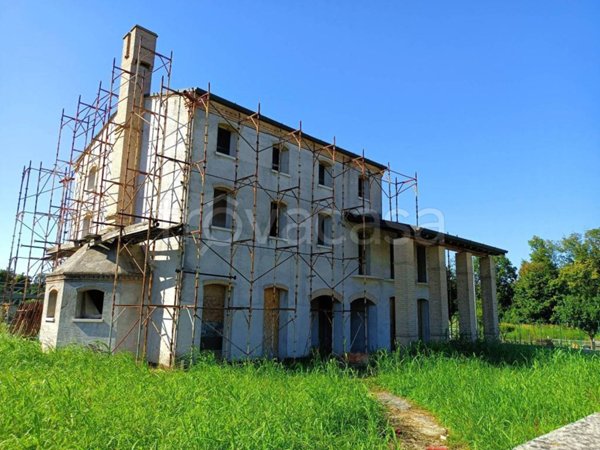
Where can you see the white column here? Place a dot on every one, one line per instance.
(405, 284)
(487, 275)
(466, 296)
(438, 293)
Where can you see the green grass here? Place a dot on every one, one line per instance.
(540, 332)
(74, 398)
(496, 397)
(490, 397)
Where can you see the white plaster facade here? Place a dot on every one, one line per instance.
(359, 312)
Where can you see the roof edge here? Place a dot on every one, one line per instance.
(285, 127)
(426, 234)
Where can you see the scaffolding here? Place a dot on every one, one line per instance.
(63, 208)
(36, 221)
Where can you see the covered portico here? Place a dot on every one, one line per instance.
(421, 282)
(420, 273)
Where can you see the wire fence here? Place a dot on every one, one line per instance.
(536, 334)
(547, 335)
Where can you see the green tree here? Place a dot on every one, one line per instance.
(543, 251)
(560, 282)
(579, 283)
(581, 312)
(535, 289)
(452, 289)
(577, 247)
(506, 277)
(13, 285)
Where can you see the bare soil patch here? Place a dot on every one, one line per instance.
(415, 427)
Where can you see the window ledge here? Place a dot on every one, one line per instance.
(283, 174)
(422, 283)
(225, 155)
(329, 188)
(325, 247)
(366, 200)
(218, 228)
(82, 320)
(368, 277)
(50, 319)
(277, 238)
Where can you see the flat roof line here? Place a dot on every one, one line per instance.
(285, 127)
(447, 240)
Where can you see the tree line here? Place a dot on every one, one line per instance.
(558, 284)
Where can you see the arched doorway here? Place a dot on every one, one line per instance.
(363, 326)
(325, 314)
(213, 318)
(423, 319)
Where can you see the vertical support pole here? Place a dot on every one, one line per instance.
(311, 244)
(438, 293)
(405, 284)
(466, 296)
(343, 257)
(487, 275)
(253, 243)
(297, 259)
(416, 199)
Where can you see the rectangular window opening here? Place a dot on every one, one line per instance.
(277, 219)
(224, 141)
(325, 174)
(364, 260)
(324, 232)
(90, 304)
(276, 158)
(363, 187)
(280, 160)
(421, 264)
(221, 217)
(392, 261)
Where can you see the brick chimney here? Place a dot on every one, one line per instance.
(137, 63)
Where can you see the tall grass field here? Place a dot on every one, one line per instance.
(490, 397)
(74, 398)
(496, 396)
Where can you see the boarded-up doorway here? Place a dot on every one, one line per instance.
(274, 297)
(213, 318)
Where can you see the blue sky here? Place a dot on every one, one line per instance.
(495, 104)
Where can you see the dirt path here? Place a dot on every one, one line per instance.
(415, 428)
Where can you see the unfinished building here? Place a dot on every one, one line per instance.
(176, 220)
